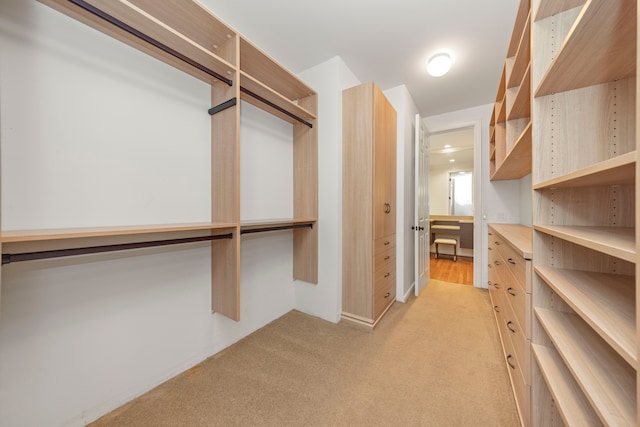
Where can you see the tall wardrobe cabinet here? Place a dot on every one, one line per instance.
(368, 204)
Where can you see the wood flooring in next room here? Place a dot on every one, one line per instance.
(448, 270)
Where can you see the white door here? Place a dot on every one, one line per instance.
(421, 215)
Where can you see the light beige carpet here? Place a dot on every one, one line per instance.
(433, 361)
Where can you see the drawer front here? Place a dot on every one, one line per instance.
(515, 263)
(384, 258)
(519, 301)
(513, 329)
(384, 243)
(384, 291)
(520, 389)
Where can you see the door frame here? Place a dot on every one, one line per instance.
(477, 187)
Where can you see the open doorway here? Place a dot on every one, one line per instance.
(451, 207)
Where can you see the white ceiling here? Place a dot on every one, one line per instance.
(386, 41)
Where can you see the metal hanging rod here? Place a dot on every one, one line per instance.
(58, 253)
(275, 228)
(223, 106)
(277, 107)
(129, 29)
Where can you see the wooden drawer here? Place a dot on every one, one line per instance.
(515, 332)
(516, 374)
(384, 290)
(514, 261)
(384, 243)
(519, 301)
(384, 258)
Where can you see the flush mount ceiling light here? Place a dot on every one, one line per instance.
(439, 64)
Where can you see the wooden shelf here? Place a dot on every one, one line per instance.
(620, 170)
(258, 88)
(7, 236)
(522, 16)
(275, 224)
(521, 107)
(548, 8)
(148, 19)
(522, 57)
(517, 162)
(615, 241)
(263, 68)
(604, 301)
(574, 408)
(607, 381)
(600, 48)
(501, 114)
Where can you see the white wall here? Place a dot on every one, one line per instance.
(406, 110)
(324, 300)
(96, 133)
(497, 201)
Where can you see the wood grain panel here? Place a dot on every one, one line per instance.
(357, 201)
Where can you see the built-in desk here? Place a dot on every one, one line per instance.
(459, 226)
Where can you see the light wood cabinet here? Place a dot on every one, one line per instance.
(368, 204)
(584, 306)
(510, 274)
(186, 35)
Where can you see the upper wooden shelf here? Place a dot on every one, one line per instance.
(521, 107)
(194, 43)
(615, 241)
(522, 57)
(15, 236)
(600, 47)
(608, 381)
(518, 27)
(263, 68)
(574, 408)
(517, 162)
(604, 301)
(620, 170)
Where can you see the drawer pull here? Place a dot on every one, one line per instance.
(490, 248)
(496, 285)
(509, 323)
(387, 275)
(511, 261)
(509, 357)
(496, 309)
(489, 265)
(510, 290)
(496, 262)
(387, 294)
(387, 243)
(387, 208)
(387, 257)
(497, 243)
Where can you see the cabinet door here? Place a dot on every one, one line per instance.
(384, 185)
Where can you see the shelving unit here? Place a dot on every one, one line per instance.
(187, 36)
(585, 186)
(510, 134)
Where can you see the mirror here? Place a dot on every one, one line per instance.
(451, 172)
